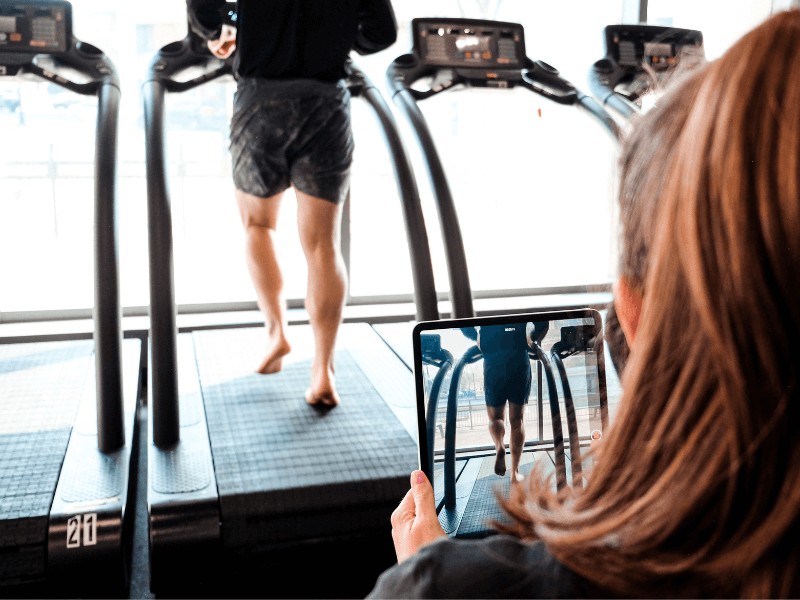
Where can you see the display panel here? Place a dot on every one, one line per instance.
(633, 46)
(469, 43)
(35, 27)
(541, 375)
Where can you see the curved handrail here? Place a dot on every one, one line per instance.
(427, 307)
(471, 355)
(103, 82)
(572, 422)
(539, 354)
(445, 363)
(401, 72)
(171, 60)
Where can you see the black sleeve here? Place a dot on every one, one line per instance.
(494, 567)
(470, 332)
(540, 330)
(377, 26)
(206, 17)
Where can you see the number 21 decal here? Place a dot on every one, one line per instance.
(82, 530)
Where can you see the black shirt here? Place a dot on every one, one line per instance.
(504, 342)
(506, 364)
(295, 39)
(499, 566)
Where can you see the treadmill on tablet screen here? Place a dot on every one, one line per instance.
(536, 381)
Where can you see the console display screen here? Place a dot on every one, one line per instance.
(660, 55)
(8, 24)
(632, 46)
(469, 43)
(34, 27)
(473, 47)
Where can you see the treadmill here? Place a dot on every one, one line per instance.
(244, 478)
(637, 58)
(451, 53)
(442, 60)
(69, 406)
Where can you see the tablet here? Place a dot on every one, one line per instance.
(499, 395)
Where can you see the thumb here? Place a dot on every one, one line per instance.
(422, 490)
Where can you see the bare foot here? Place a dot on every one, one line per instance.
(323, 390)
(327, 399)
(273, 360)
(500, 462)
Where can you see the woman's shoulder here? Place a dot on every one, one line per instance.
(499, 566)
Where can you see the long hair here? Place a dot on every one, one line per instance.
(695, 489)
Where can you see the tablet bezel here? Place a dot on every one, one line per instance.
(447, 324)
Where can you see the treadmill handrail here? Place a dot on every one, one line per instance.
(444, 364)
(572, 422)
(471, 355)
(107, 314)
(426, 303)
(606, 95)
(172, 59)
(180, 56)
(537, 353)
(458, 273)
(546, 81)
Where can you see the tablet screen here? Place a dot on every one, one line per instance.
(500, 395)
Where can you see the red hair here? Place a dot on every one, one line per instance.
(695, 489)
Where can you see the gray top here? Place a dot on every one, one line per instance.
(499, 566)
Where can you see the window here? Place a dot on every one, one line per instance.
(532, 180)
(718, 34)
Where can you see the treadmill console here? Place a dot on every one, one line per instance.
(575, 338)
(479, 53)
(35, 27)
(431, 344)
(632, 46)
(456, 43)
(637, 57)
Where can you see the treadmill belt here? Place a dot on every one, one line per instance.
(482, 506)
(476, 488)
(41, 385)
(286, 471)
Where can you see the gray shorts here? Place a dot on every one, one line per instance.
(292, 133)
